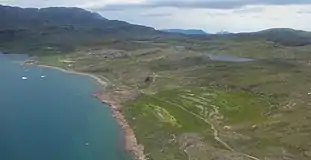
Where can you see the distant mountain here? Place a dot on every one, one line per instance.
(62, 27)
(285, 36)
(223, 32)
(185, 31)
(26, 18)
(282, 36)
(32, 18)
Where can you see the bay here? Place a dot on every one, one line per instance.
(52, 115)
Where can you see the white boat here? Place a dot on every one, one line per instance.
(42, 76)
(24, 78)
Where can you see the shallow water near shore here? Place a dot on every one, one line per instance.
(52, 115)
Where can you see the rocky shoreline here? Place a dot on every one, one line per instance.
(130, 142)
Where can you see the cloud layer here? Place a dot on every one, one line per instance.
(242, 19)
(208, 4)
(128, 4)
(210, 15)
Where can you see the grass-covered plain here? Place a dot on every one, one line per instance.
(190, 107)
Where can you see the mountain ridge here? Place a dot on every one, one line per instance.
(61, 27)
(53, 16)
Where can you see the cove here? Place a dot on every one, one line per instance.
(52, 115)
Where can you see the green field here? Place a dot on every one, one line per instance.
(257, 108)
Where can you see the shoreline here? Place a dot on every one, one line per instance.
(130, 142)
(99, 80)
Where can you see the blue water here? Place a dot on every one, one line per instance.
(53, 118)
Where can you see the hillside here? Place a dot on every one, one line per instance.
(282, 36)
(286, 36)
(61, 28)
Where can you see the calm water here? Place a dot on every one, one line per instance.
(53, 118)
(229, 58)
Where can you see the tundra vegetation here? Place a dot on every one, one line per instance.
(181, 104)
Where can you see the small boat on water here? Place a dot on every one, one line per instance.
(42, 76)
(24, 78)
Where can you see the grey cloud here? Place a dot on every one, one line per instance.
(304, 12)
(276, 18)
(43, 3)
(210, 4)
(216, 14)
(158, 15)
(249, 10)
(175, 4)
(121, 7)
(256, 16)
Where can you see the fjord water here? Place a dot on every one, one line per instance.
(53, 118)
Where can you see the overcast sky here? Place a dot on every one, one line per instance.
(209, 15)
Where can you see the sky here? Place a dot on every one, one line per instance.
(209, 15)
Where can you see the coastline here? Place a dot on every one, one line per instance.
(130, 142)
(99, 80)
